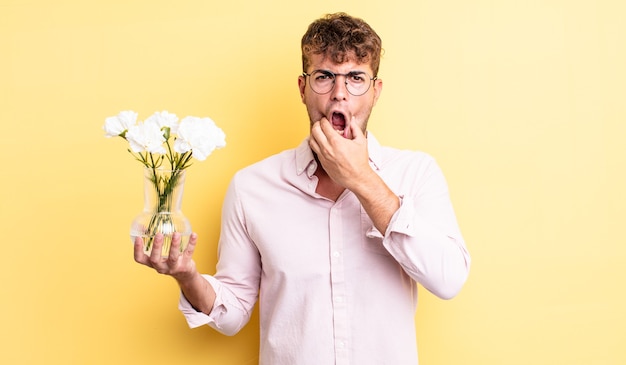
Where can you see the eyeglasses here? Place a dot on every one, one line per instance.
(323, 81)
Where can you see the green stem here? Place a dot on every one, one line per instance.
(169, 149)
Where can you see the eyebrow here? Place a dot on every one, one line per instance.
(337, 73)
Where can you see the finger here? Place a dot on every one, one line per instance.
(157, 248)
(174, 253)
(348, 133)
(314, 145)
(139, 255)
(327, 129)
(356, 131)
(191, 246)
(324, 131)
(316, 130)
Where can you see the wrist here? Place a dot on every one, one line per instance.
(187, 279)
(368, 183)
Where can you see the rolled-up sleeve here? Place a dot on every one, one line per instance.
(228, 316)
(424, 237)
(236, 282)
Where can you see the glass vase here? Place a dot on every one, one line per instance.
(162, 213)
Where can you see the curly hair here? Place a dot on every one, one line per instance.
(340, 37)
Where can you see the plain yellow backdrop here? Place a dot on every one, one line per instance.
(523, 104)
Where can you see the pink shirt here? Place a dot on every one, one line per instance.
(333, 290)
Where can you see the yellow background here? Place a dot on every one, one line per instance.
(523, 103)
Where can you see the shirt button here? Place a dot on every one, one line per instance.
(336, 254)
(341, 344)
(339, 299)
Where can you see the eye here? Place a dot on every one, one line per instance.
(357, 77)
(324, 76)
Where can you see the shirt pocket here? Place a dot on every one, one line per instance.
(372, 240)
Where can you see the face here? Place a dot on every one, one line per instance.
(338, 105)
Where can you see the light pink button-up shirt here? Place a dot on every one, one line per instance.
(333, 290)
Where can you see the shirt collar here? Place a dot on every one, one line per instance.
(306, 162)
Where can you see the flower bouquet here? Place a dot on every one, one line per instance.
(165, 147)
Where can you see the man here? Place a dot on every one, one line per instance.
(332, 236)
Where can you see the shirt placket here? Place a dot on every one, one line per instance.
(338, 286)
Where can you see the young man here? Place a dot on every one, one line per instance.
(332, 236)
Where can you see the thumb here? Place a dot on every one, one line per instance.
(353, 131)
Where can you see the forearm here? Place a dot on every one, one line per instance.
(198, 292)
(377, 200)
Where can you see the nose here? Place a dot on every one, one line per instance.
(340, 89)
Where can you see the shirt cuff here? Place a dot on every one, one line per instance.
(403, 221)
(195, 318)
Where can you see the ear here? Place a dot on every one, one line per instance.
(301, 86)
(378, 88)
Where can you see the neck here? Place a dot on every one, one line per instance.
(326, 186)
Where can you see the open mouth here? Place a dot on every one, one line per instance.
(338, 120)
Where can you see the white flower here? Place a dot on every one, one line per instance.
(164, 119)
(162, 138)
(146, 137)
(117, 125)
(200, 135)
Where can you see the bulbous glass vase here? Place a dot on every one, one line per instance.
(162, 211)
